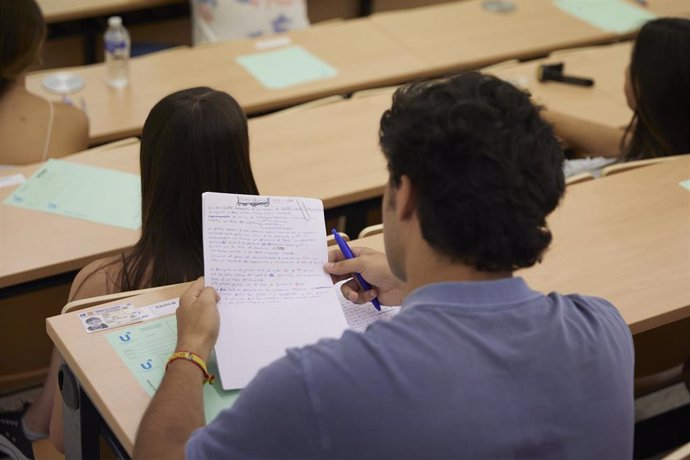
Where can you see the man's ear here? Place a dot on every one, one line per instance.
(406, 199)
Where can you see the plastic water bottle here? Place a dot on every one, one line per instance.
(117, 44)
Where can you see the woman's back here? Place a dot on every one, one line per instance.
(33, 129)
(193, 141)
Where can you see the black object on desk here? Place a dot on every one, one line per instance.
(554, 72)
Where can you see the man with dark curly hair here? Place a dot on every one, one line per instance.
(476, 364)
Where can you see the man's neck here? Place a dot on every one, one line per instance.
(426, 266)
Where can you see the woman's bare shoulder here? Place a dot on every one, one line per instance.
(98, 278)
(70, 132)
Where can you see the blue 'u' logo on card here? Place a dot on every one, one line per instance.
(148, 365)
(126, 338)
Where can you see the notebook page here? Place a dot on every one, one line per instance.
(264, 255)
(360, 317)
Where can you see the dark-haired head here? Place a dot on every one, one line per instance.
(194, 141)
(658, 90)
(485, 168)
(22, 31)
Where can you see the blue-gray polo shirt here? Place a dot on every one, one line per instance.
(487, 369)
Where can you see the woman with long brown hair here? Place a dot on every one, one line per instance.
(657, 89)
(193, 141)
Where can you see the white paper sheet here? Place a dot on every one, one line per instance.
(359, 317)
(264, 256)
(12, 180)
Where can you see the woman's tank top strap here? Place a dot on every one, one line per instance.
(49, 130)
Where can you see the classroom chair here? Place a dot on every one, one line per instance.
(374, 92)
(579, 49)
(578, 178)
(630, 165)
(682, 453)
(330, 239)
(116, 144)
(370, 231)
(310, 105)
(93, 301)
(660, 356)
(500, 65)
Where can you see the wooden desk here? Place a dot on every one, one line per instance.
(69, 10)
(632, 248)
(37, 245)
(113, 390)
(625, 238)
(463, 35)
(384, 49)
(328, 152)
(604, 103)
(363, 55)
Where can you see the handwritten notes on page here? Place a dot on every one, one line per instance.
(145, 348)
(83, 192)
(264, 255)
(359, 317)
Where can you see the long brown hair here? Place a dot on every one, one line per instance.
(22, 31)
(660, 77)
(193, 141)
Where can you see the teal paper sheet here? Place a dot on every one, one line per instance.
(609, 15)
(145, 349)
(83, 192)
(286, 67)
(685, 184)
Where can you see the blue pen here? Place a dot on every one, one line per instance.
(347, 252)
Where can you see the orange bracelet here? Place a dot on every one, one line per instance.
(192, 358)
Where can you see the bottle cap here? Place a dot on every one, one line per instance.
(114, 21)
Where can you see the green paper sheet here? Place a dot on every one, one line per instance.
(609, 15)
(286, 67)
(83, 192)
(145, 349)
(685, 184)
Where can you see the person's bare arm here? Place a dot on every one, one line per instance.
(584, 136)
(177, 408)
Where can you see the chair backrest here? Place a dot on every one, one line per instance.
(500, 65)
(310, 105)
(93, 301)
(370, 231)
(682, 453)
(577, 178)
(116, 144)
(629, 165)
(374, 92)
(330, 239)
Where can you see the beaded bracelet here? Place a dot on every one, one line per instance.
(193, 358)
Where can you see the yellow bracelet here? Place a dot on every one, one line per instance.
(193, 358)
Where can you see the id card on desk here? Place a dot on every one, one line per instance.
(110, 317)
